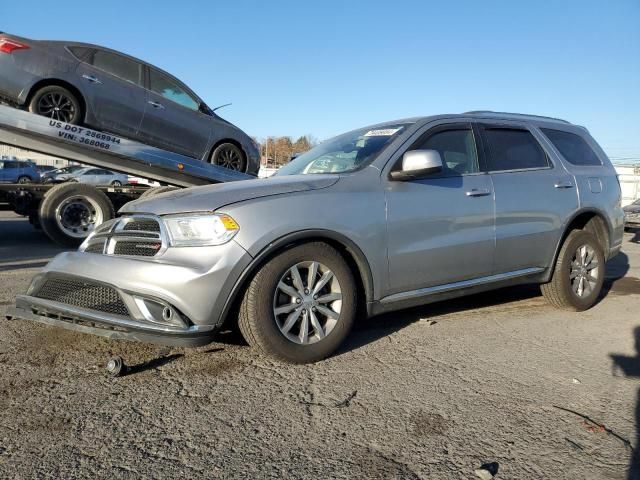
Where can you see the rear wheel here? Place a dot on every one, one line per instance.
(578, 274)
(229, 156)
(69, 212)
(24, 179)
(300, 306)
(116, 183)
(57, 103)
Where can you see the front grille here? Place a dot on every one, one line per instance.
(142, 225)
(83, 294)
(139, 235)
(95, 247)
(143, 249)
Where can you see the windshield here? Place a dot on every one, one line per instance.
(344, 153)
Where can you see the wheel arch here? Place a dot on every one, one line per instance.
(591, 220)
(350, 252)
(47, 82)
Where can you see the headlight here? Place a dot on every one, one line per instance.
(200, 230)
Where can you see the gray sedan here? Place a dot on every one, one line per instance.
(106, 90)
(95, 176)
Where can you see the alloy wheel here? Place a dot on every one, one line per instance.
(584, 271)
(229, 158)
(56, 105)
(307, 302)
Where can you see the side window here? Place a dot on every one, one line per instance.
(117, 66)
(456, 147)
(169, 89)
(79, 52)
(513, 149)
(573, 147)
(93, 171)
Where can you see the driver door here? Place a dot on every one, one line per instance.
(441, 228)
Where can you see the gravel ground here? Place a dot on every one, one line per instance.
(499, 377)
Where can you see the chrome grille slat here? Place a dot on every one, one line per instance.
(137, 236)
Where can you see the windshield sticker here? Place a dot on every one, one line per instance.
(383, 132)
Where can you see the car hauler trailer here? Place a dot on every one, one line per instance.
(68, 212)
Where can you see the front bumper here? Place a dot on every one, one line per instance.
(632, 219)
(87, 321)
(195, 282)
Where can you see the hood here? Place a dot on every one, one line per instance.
(212, 197)
(633, 208)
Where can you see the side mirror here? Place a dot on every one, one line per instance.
(418, 164)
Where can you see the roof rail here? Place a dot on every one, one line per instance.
(516, 115)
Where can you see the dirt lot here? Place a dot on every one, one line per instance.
(499, 377)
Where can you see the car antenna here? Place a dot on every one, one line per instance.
(222, 106)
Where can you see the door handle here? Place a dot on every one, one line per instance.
(563, 184)
(92, 79)
(156, 104)
(478, 192)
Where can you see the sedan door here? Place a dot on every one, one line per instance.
(91, 176)
(441, 228)
(172, 119)
(534, 197)
(112, 86)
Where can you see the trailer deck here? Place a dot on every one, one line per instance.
(91, 147)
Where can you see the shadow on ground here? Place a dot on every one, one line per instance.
(629, 367)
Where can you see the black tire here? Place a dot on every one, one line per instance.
(229, 156)
(116, 183)
(63, 196)
(24, 179)
(559, 292)
(256, 317)
(156, 190)
(45, 101)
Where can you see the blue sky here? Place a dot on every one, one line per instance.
(298, 67)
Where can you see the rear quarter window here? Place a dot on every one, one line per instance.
(81, 53)
(572, 147)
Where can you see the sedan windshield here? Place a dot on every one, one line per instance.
(344, 153)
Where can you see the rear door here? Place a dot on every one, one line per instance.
(172, 117)
(534, 196)
(3, 172)
(112, 86)
(440, 228)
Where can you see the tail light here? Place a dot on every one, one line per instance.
(8, 45)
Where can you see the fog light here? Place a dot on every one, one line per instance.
(157, 311)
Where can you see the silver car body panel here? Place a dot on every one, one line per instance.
(412, 242)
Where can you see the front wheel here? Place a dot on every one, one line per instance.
(301, 305)
(229, 156)
(578, 274)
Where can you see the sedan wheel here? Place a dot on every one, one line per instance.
(229, 156)
(56, 103)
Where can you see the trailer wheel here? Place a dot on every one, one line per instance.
(70, 211)
(156, 190)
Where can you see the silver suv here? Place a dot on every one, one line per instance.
(381, 218)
